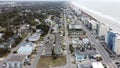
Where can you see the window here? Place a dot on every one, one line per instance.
(10, 65)
(15, 65)
(21, 65)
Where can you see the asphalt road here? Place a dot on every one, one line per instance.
(36, 60)
(68, 54)
(68, 65)
(101, 50)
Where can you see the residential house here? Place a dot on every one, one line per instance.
(15, 36)
(23, 29)
(10, 42)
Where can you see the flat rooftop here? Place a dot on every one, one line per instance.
(97, 65)
(17, 58)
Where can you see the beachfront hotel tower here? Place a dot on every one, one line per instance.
(113, 41)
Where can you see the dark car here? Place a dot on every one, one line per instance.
(117, 63)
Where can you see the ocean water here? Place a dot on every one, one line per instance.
(110, 9)
(106, 12)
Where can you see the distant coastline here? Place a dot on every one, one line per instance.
(107, 19)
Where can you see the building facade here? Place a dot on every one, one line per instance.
(103, 29)
(111, 39)
(75, 30)
(116, 48)
(16, 61)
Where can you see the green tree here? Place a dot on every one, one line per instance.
(71, 48)
(8, 33)
(18, 40)
(45, 28)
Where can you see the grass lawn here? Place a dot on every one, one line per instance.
(46, 61)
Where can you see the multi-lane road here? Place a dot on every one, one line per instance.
(101, 50)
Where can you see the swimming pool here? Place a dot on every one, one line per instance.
(79, 57)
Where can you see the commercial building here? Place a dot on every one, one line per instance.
(92, 25)
(116, 48)
(84, 18)
(16, 61)
(111, 39)
(75, 26)
(75, 30)
(103, 29)
(97, 65)
(26, 48)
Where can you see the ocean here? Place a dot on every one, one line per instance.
(106, 12)
(109, 9)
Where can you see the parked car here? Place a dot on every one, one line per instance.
(117, 63)
(98, 58)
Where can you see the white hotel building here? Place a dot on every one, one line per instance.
(116, 48)
(103, 30)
